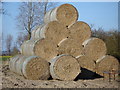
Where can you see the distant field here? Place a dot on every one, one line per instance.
(3, 58)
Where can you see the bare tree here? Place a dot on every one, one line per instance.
(92, 26)
(45, 7)
(31, 15)
(20, 39)
(9, 40)
(3, 10)
(15, 49)
(100, 33)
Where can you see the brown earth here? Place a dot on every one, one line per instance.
(12, 80)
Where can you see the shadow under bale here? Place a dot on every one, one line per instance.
(87, 74)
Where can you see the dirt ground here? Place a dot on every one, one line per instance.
(12, 80)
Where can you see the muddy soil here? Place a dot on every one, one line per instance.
(13, 80)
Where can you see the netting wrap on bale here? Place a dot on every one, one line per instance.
(64, 67)
(106, 64)
(19, 64)
(27, 48)
(53, 31)
(31, 67)
(94, 48)
(65, 14)
(70, 47)
(36, 32)
(41, 47)
(12, 62)
(80, 31)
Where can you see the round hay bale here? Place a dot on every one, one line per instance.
(41, 47)
(54, 31)
(94, 48)
(86, 62)
(64, 67)
(80, 31)
(27, 48)
(106, 64)
(100, 59)
(48, 16)
(70, 47)
(19, 64)
(36, 68)
(36, 32)
(32, 67)
(13, 61)
(87, 67)
(66, 14)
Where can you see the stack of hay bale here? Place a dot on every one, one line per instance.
(60, 47)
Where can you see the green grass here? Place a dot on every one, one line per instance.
(4, 58)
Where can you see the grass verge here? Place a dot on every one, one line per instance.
(4, 58)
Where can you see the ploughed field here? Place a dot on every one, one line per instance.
(12, 80)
